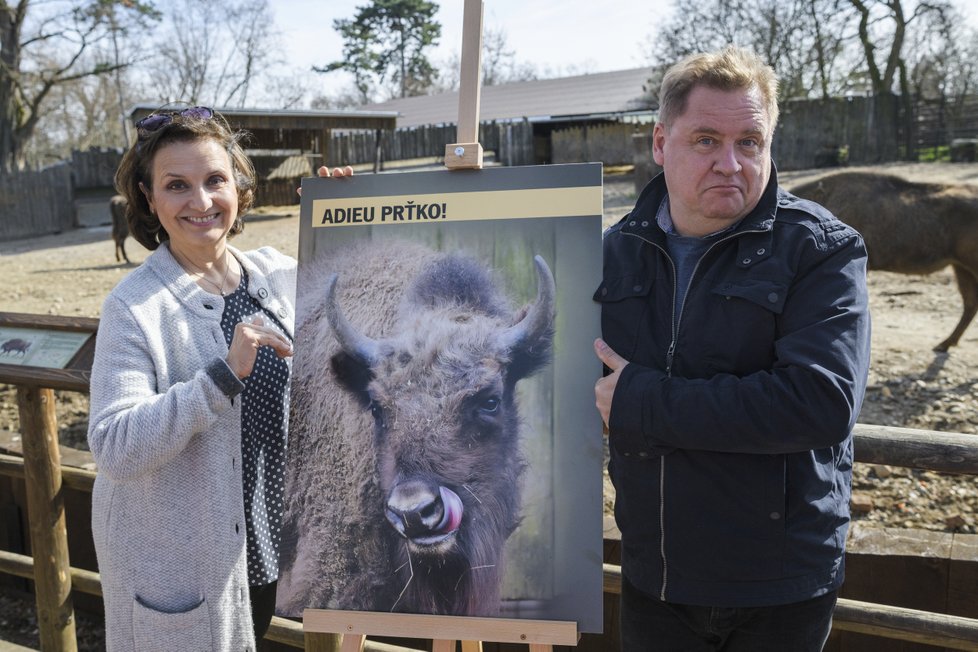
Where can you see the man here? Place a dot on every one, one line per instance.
(736, 330)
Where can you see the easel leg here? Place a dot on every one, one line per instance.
(471, 646)
(353, 642)
(317, 642)
(439, 645)
(541, 647)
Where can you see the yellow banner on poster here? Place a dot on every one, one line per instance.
(458, 206)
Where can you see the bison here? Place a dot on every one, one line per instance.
(912, 228)
(404, 467)
(15, 345)
(120, 226)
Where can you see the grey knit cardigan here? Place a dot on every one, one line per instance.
(167, 506)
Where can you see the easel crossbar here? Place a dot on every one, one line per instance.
(500, 630)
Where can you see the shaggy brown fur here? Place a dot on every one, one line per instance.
(378, 447)
(912, 228)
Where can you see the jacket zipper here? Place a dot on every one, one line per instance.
(670, 354)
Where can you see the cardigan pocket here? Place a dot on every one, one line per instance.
(154, 630)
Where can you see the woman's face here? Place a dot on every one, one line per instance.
(194, 195)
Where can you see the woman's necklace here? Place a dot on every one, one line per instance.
(200, 274)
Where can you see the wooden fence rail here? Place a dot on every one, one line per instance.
(911, 625)
(919, 449)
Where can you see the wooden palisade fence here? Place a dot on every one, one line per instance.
(512, 142)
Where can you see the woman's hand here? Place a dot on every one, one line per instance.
(345, 171)
(248, 336)
(323, 171)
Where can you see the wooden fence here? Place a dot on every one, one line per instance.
(45, 201)
(512, 143)
(612, 144)
(938, 121)
(813, 133)
(36, 202)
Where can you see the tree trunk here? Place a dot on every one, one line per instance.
(11, 22)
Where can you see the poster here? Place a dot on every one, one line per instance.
(445, 454)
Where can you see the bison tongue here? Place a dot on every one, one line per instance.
(452, 514)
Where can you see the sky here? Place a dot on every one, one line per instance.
(590, 35)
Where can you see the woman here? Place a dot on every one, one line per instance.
(189, 400)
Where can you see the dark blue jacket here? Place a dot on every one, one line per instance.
(731, 438)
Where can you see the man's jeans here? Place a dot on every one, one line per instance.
(650, 625)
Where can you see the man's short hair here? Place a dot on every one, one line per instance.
(731, 68)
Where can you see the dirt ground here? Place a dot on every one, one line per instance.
(910, 385)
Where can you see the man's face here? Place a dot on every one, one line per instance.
(716, 157)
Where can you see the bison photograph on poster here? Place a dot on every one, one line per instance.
(444, 450)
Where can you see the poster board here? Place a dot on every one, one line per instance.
(488, 448)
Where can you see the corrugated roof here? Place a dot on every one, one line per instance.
(596, 94)
(294, 167)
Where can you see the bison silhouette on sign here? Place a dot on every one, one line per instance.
(404, 467)
(15, 345)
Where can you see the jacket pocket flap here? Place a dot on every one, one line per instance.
(767, 294)
(622, 287)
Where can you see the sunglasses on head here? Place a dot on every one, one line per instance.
(157, 121)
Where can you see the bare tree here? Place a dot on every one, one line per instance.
(78, 115)
(499, 64)
(212, 53)
(43, 47)
(883, 28)
(803, 40)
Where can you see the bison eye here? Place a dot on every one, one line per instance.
(489, 405)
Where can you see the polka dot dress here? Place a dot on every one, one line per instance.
(262, 440)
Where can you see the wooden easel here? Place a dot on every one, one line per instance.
(444, 631)
(467, 152)
(352, 627)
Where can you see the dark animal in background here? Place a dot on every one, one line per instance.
(912, 228)
(120, 227)
(16, 345)
(404, 466)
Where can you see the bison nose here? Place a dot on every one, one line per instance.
(419, 510)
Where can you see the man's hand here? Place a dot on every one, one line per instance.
(604, 389)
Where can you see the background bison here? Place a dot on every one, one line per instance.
(913, 228)
(120, 226)
(405, 466)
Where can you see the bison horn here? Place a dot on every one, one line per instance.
(539, 318)
(352, 342)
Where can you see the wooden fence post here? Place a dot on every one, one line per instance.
(45, 508)
(320, 642)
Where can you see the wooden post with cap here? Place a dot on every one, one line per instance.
(467, 152)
